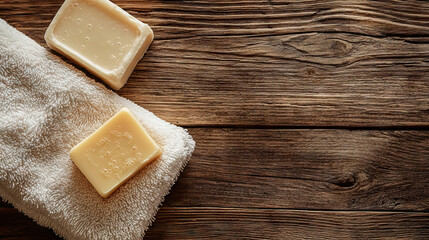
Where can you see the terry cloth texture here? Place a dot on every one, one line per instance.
(46, 108)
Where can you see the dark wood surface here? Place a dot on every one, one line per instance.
(311, 117)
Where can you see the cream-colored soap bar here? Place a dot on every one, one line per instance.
(115, 152)
(101, 37)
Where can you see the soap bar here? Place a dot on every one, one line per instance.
(101, 37)
(114, 152)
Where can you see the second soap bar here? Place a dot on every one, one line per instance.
(101, 37)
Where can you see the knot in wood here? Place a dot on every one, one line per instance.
(346, 181)
(339, 47)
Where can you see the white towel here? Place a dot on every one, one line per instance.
(47, 107)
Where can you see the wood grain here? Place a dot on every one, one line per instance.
(222, 223)
(274, 63)
(225, 223)
(229, 223)
(306, 169)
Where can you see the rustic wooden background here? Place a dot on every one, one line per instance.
(311, 117)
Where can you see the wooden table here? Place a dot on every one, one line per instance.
(311, 117)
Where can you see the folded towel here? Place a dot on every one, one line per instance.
(46, 108)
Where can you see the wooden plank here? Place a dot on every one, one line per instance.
(244, 223)
(225, 223)
(274, 63)
(309, 169)
(306, 169)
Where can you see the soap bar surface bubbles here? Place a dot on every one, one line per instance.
(101, 37)
(115, 152)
